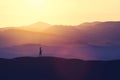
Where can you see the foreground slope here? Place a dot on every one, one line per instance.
(51, 68)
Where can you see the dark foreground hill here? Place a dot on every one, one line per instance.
(51, 68)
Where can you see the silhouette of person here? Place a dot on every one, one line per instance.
(40, 51)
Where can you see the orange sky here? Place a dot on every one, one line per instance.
(71, 12)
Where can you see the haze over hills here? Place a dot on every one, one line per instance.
(36, 27)
(85, 52)
(99, 39)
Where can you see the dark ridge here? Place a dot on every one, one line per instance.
(54, 68)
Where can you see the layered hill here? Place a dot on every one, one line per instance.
(73, 41)
(96, 33)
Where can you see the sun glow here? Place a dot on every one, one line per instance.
(66, 12)
(37, 2)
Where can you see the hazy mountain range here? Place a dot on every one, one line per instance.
(97, 40)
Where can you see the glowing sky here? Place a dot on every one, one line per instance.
(23, 12)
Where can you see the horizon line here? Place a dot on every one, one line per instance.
(87, 22)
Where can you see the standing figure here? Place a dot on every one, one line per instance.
(40, 51)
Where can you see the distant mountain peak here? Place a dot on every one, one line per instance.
(38, 26)
(40, 23)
